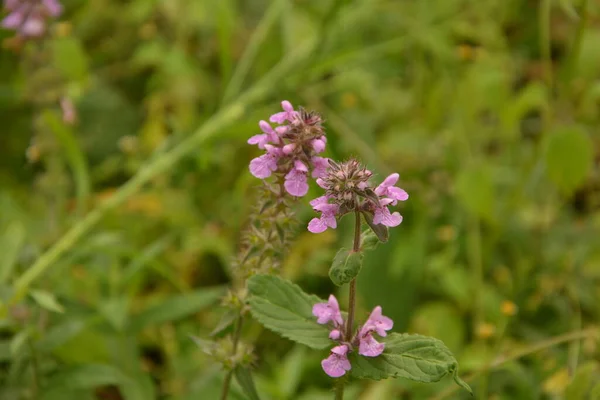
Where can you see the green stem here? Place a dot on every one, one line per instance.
(236, 339)
(225, 117)
(339, 387)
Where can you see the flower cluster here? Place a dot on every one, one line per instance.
(291, 148)
(337, 363)
(347, 190)
(28, 17)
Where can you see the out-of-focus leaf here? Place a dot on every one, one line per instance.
(91, 376)
(440, 320)
(74, 155)
(47, 300)
(475, 190)
(226, 320)
(290, 373)
(415, 357)
(569, 158)
(244, 378)
(579, 387)
(284, 308)
(115, 311)
(176, 307)
(70, 58)
(11, 242)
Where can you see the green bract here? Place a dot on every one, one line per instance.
(346, 266)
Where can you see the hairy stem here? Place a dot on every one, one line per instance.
(236, 339)
(339, 389)
(352, 295)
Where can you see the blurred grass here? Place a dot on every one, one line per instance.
(489, 111)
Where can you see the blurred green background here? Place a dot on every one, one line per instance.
(489, 110)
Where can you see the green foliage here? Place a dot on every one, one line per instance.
(569, 158)
(415, 357)
(283, 307)
(346, 266)
(487, 109)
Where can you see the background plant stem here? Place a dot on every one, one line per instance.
(236, 339)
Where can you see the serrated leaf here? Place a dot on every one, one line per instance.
(415, 357)
(47, 300)
(284, 308)
(380, 230)
(569, 158)
(244, 378)
(345, 267)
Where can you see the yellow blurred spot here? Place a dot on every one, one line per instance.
(63, 29)
(148, 204)
(349, 100)
(557, 383)
(485, 330)
(446, 233)
(508, 308)
(78, 272)
(467, 52)
(502, 275)
(147, 31)
(33, 153)
(128, 144)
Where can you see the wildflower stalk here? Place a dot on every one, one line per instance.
(236, 339)
(339, 388)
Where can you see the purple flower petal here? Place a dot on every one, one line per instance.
(337, 363)
(262, 167)
(295, 183)
(13, 20)
(318, 145)
(382, 216)
(260, 140)
(320, 165)
(369, 347)
(34, 26)
(53, 7)
(377, 322)
(329, 311)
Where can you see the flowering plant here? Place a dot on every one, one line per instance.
(367, 351)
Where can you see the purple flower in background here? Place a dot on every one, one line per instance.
(28, 17)
(337, 364)
(293, 150)
(347, 189)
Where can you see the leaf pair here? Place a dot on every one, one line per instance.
(284, 308)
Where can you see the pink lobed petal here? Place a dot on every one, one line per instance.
(336, 365)
(13, 20)
(53, 7)
(316, 225)
(259, 140)
(262, 167)
(382, 216)
(369, 347)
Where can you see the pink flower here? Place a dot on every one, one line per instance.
(378, 322)
(288, 113)
(319, 165)
(329, 311)
(319, 144)
(383, 216)
(369, 347)
(328, 215)
(337, 363)
(387, 189)
(268, 135)
(295, 180)
(262, 167)
(28, 17)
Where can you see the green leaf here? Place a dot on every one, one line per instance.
(70, 58)
(244, 378)
(47, 300)
(380, 230)
(91, 376)
(579, 387)
(415, 357)
(10, 244)
(346, 266)
(475, 190)
(569, 158)
(176, 307)
(225, 322)
(284, 308)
